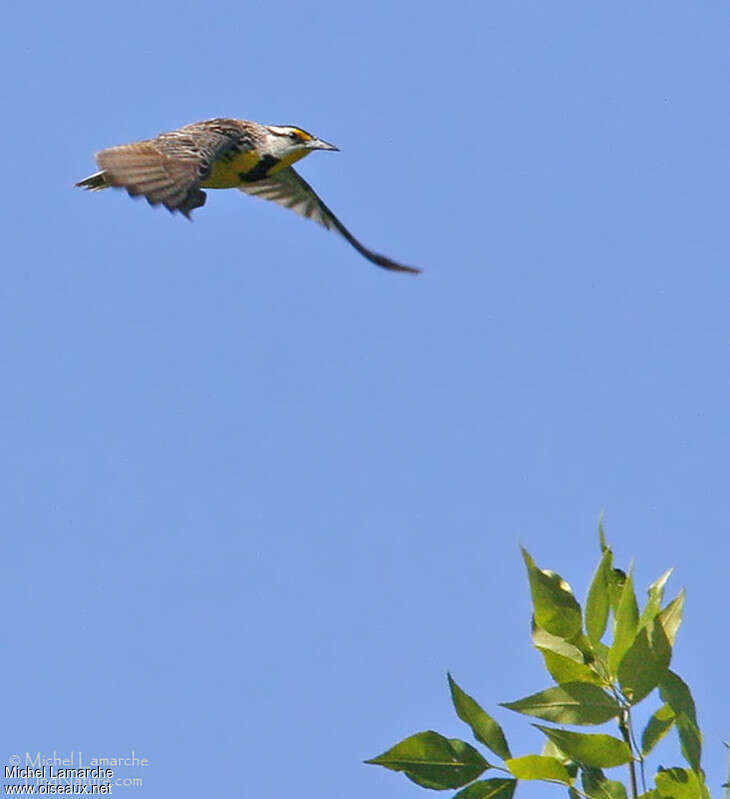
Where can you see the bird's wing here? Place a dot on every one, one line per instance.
(288, 188)
(166, 170)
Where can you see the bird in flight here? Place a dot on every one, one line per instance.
(174, 168)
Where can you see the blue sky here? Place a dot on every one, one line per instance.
(258, 494)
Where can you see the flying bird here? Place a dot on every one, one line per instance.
(174, 168)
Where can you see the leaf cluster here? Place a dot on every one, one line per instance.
(595, 682)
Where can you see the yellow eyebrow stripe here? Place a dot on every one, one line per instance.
(303, 135)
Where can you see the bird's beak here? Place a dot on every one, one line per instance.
(318, 144)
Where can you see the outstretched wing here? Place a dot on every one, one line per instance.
(166, 170)
(142, 169)
(288, 188)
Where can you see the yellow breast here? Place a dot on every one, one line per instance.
(288, 160)
(227, 174)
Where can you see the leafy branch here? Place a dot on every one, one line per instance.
(595, 682)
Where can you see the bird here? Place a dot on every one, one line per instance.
(173, 169)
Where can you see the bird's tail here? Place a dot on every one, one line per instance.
(95, 182)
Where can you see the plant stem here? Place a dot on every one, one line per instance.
(623, 725)
(637, 749)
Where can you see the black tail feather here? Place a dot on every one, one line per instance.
(95, 182)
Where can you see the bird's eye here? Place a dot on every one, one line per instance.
(294, 136)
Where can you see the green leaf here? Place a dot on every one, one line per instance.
(656, 597)
(597, 786)
(612, 789)
(690, 741)
(645, 663)
(616, 581)
(601, 536)
(563, 669)
(577, 647)
(565, 660)
(597, 750)
(675, 692)
(485, 728)
(488, 789)
(571, 703)
(590, 776)
(583, 645)
(627, 620)
(656, 728)
(543, 640)
(556, 609)
(598, 602)
(679, 783)
(432, 761)
(671, 616)
(536, 767)
(601, 653)
(550, 750)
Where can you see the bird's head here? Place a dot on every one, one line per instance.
(289, 144)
